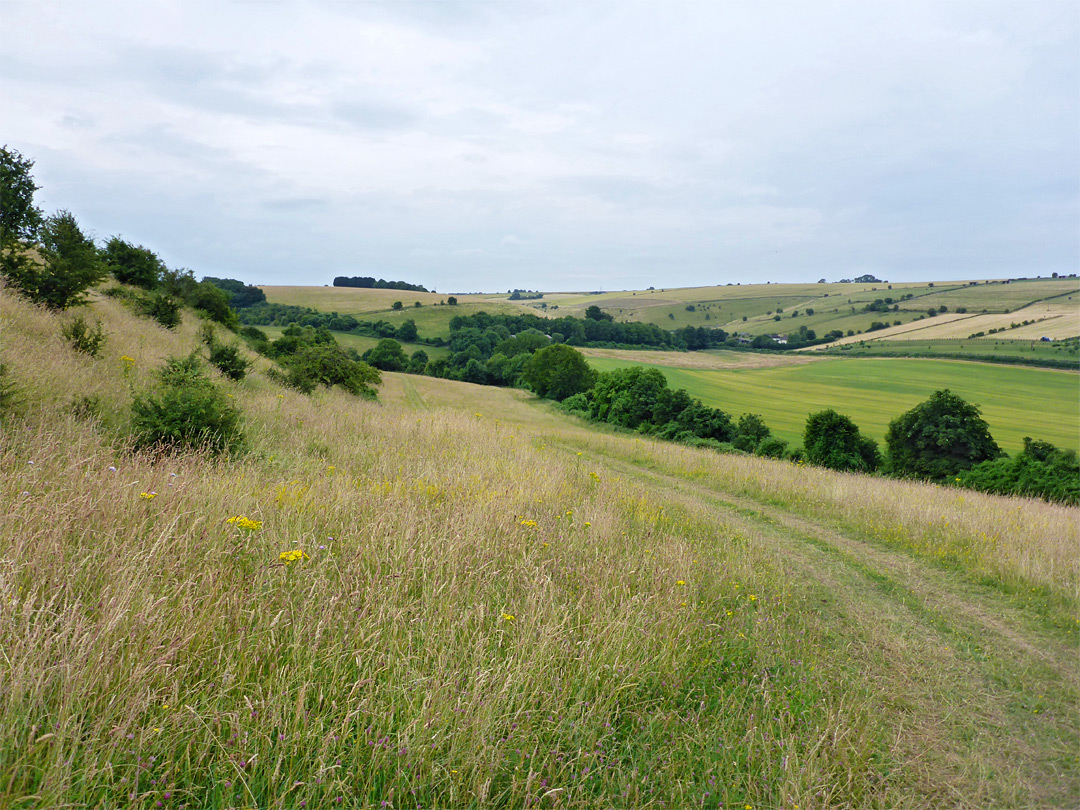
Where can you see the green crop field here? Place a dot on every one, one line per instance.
(1015, 401)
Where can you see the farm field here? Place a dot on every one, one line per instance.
(457, 596)
(1015, 401)
(996, 345)
(432, 317)
(1053, 305)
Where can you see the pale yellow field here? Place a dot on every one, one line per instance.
(1056, 320)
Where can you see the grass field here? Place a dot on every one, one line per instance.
(499, 606)
(992, 345)
(1015, 401)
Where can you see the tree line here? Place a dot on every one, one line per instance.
(370, 282)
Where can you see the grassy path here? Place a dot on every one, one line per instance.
(981, 696)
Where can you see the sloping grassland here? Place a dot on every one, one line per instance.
(498, 606)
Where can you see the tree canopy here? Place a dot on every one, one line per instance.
(939, 438)
(557, 372)
(832, 440)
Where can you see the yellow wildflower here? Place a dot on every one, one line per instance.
(681, 582)
(148, 496)
(507, 617)
(242, 522)
(293, 556)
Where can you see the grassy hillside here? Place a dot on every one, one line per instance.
(1015, 401)
(497, 606)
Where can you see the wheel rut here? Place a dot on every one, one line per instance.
(938, 641)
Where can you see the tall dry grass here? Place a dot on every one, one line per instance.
(478, 617)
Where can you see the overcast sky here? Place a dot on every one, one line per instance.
(473, 145)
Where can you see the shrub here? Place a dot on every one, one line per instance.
(772, 447)
(162, 307)
(82, 338)
(1041, 470)
(185, 411)
(327, 364)
(228, 360)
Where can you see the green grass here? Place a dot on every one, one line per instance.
(1015, 401)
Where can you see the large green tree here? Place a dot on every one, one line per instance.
(939, 438)
(387, 355)
(71, 264)
(132, 264)
(557, 372)
(20, 219)
(832, 440)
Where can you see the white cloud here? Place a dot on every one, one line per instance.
(475, 145)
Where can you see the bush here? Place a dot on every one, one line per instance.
(186, 411)
(771, 447)
(162, 307)
(228, 360)
(82, 338)
(1041, 470)
(327, 364)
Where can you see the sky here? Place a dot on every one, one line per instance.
(484, 145)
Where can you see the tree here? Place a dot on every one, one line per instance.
(396, 306)
(417, 363)
(132, 264)
(451, 301)
(750, 432)
(387, 355)
(594, 313)
(407, 331)
(557, 372)
(72, 264)
(19, 217)
(212, 301)
(939, 438)
(832, 440)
